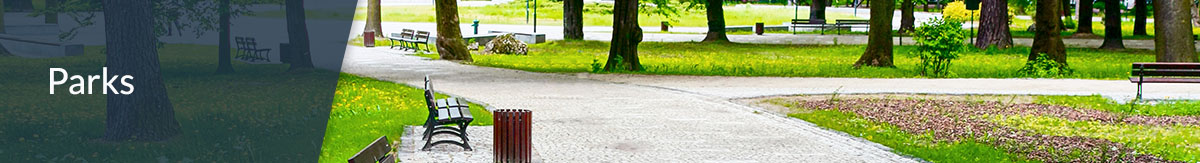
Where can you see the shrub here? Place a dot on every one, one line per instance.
(938, 42)
(1044, 67)
(957, 11)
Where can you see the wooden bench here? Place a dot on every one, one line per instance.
(1164, 73)
(850, 24)
(247, 50)
(806, 23)
(442, 114)
(409, 39)
(378, 151)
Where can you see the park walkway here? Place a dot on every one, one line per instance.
(584, 120)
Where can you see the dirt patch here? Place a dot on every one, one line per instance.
(949, 118)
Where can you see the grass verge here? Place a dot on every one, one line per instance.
(734, 59)
(366, 108)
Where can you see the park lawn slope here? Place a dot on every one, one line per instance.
(365, 109)
(735, 59)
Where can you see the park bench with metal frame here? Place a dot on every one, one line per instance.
(419, 38)
(850, 24)
(807, 23)
(378, 151)
(247, 49)
(402, 38)
(1164, 73)
(443, 113)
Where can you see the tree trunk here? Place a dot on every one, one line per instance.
(1084, 27)
(816, 10)
(1139, 21)
(622, 53)
(147, 114)
(3, 50)
(716, 21)
(450, 44)
(907, 19)
(993, 21)
(223, 65)
(1112, 26)
(51, 17)
(297, 29)
(879, 39)
(1196, 14)
(573, 19)
(374, 20)
(1173, 40)
(1048, 38)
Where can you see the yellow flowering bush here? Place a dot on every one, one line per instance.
(957, 11)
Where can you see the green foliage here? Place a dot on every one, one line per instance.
(938, 43)
(595, 14)
(1044, 67)
(957, 11)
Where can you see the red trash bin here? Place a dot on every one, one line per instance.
(369, 39)
(511, 139)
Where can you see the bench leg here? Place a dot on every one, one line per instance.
(1139, 92)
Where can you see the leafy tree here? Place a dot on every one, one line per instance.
(573, 19)
(938, 43)
(716, 21)
(622, 53)
(374, 20)
(450, 45)
(1173, 40)
(1084, 27)
(146, 115)
(1112, 26)
(297, 30)
(1139, 20)
(879, 39)
(1047, 39)
(994, 30)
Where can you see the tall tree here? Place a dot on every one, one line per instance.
(908, 19)
(573, 19)
(51, 17)
(1084, 27)
(1048, 37)
(450, 44)
(297, 29)
(716, 21)
(1173, 40)
(146, 114)
(879, 39)
(816, 9)
(1139, 21)
(993, 21)
(374, 20)
(1112, 26)
(1196, 14)
(622, 52)
(223, 58)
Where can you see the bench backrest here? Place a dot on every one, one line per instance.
(240, 41)
(251, 43)
(429, 97)
(1166, 69)
(801, 21)
(422, 36)
(377, 151)
(408, 33)
(853, 21)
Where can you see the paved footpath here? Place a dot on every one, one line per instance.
(585, 120)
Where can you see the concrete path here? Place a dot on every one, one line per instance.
(582, 120)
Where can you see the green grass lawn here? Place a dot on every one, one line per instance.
(258, 113)
(365, 109)
(734, 59)
(1170, 142)
(595, 14)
